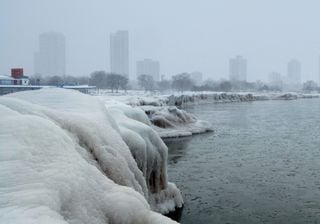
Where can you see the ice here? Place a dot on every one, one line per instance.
(173, 122)
(139, 98)
(150, 154)
(66, 158)
(168, 121)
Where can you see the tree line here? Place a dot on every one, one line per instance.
(180, 82)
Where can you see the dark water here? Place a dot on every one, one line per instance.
(262, 164)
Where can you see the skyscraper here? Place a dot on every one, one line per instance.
(149, 67)
(119, 52)
(238, 69)
(294, 72)
(51, 58)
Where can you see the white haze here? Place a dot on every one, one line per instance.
(182, 35)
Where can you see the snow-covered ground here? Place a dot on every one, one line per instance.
(66, 157)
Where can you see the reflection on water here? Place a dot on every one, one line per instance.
(261, 165)
(177, 147)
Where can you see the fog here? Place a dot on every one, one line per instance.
(182, 35)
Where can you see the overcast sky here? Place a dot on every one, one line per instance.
(184, 35)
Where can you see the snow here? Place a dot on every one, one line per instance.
(172, 122)
(139, 98)
(169, 121)
(67, 158)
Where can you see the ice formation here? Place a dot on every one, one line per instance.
(66, 158)
(173, 122)
(168, 121)
(135, 98)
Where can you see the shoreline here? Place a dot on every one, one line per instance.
(166, 112)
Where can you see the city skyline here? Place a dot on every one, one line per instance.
(121, 37)
(202, 42)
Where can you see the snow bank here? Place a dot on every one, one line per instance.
(65, 158)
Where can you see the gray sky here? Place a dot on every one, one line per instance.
(184, 35)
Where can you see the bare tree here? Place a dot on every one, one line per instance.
(70, 80)
(115, 81)
(35, 80)
(310, 86)
(164, 85)
(123, 83)
(225, 86)
(98, 79)
(147, 82)
(182, 82)
(83, 80)
(54, 81)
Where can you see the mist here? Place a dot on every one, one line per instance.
(184, 36)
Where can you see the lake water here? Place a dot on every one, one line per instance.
(261, 165)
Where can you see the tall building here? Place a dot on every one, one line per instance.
(294, 72)
(238, 69)
(275, 79)
(50, 60)
(119, 52)
(149, 67)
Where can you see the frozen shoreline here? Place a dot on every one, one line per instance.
(167, 121)
(170, 121)
(139, 98)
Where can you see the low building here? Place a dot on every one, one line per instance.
(18, 82)
(6, 80)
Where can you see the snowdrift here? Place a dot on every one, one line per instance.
(66, 158)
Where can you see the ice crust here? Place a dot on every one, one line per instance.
(67, 158)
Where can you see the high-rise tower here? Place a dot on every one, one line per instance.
(119, 52)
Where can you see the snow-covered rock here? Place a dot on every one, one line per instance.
(168, 121)
(136, 98)
(173, 122)
(66, 158)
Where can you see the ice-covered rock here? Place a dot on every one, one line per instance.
(136, 98)
(150, 154)
(173, 122)
(66, 158)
